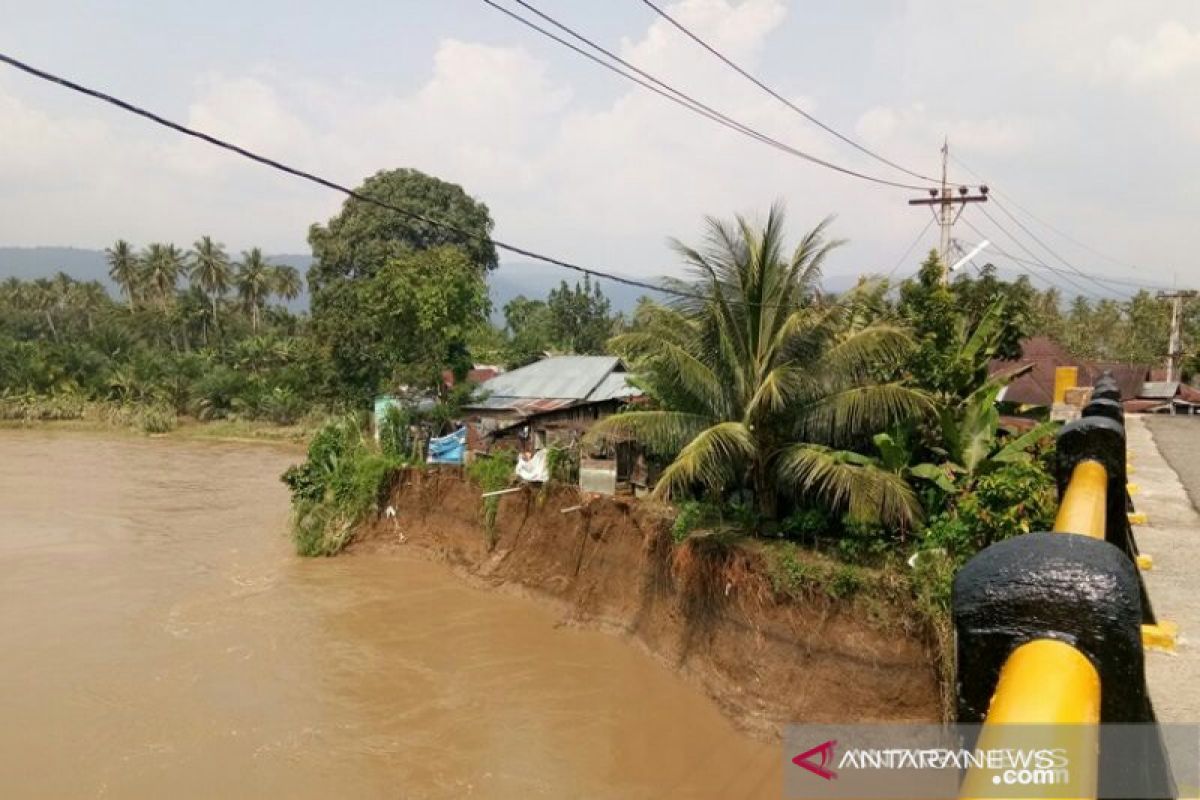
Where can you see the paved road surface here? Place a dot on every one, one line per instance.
(1165, 455)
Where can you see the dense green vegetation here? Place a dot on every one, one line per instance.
(195, 333)
(863, 425)
(860, 425)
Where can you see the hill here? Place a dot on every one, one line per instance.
(529, 278)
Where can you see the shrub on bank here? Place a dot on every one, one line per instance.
(491, 473)
(343, 480)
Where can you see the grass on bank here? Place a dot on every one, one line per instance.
(344, 480)
(75, 413)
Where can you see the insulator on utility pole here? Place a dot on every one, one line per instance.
(946, 200)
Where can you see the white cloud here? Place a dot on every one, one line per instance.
(1172, 51)
(599, 178)
(912, 128)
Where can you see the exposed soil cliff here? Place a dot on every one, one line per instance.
(708, 609)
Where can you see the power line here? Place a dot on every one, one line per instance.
(678, 97)
(1047, 247)
(1094, 251)
(1098, 281)
(280, 166)
(1064, 275)
(911, 247)
(1116, 281)
(761, 85)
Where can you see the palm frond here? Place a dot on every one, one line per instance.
(844, 415)
(866, 349)
(671, 362)
(716, 457)
(661, 432)
(849, 482)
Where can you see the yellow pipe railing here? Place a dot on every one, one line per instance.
(1048, 682)
(1044, 682)
(1084, 504)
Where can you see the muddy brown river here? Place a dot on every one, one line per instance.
(158, 638)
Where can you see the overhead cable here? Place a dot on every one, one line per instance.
(679, 97)
(778, 96)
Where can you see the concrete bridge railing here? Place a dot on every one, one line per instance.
(1050, 626)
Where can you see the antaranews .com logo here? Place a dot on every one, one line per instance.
(1010, 767)
(891, 762)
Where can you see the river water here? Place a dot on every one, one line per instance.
(159, 639)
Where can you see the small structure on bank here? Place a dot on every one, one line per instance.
(553, 403)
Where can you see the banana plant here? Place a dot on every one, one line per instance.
(972, 443)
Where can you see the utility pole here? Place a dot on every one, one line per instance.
(946, 200)
(1175, 348)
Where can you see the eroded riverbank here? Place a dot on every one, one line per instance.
(715, 617)
(158, 638)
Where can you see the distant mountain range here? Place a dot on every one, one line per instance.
(529, 278)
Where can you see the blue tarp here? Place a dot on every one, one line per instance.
(448, 449)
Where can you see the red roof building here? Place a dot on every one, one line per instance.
(1036, 388)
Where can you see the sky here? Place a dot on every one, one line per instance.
(1084, 112)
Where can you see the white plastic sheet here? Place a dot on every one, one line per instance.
(533, 469)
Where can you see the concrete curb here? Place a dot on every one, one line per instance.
(1172, 538)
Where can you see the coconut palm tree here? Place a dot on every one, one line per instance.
(91, 298)
(43, 298)
(162, 265)
(123, 268)
(286, 282)
(761, 383)
(254, 280)
(210, 271)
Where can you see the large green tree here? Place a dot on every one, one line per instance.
(761, 385)
(360, 321)
(255, 281)
(572, 319)
(406, 323)
(123, 268)
(363, 236)
(581, 317)
(960, 327)
(162, 267)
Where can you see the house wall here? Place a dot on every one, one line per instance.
(561, 427)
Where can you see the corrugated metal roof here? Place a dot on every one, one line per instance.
(524, 406)
(558, 377)
(615, 386)
(1156, 390)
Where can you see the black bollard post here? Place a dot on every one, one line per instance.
(1071, 588)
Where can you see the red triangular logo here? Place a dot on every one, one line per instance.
(825, 751)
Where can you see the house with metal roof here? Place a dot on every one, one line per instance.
(1042, 356)
(552, 401)
(1165, 397)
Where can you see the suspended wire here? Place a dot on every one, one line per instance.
(678, 97)
(761, 85)
(908, 252)
(1094, 279)
(1097, 281)
(1116, 281)
(280, 166)
(1040, 264)
(1022, 273)
(1010, 199)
